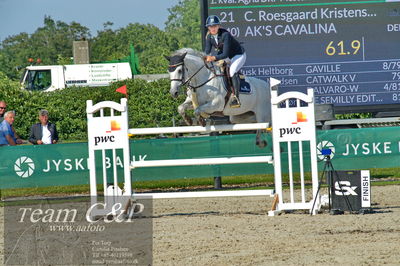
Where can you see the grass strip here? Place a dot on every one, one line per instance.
(387, 176)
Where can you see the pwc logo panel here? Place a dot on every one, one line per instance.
(294, 124)
(107, 133)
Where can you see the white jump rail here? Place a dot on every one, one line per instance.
(205, 194)
(197, 129)
(202, 161)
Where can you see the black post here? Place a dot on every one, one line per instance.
(329, 181)
(217, 182)
(203, 16)
(217, 179)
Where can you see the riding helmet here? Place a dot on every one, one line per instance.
(213, 20)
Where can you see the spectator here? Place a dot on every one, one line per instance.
(3, 107)
(43, 132)
(7, 134)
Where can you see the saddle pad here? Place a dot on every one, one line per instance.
(245, 87)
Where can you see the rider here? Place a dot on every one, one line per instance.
(220, 44)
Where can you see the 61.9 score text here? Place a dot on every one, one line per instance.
(343, 48)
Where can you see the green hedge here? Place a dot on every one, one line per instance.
(149, 103)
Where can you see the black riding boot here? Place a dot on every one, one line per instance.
(235, 103)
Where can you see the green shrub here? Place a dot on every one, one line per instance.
(149, 105)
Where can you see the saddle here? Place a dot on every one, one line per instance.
(244, 86)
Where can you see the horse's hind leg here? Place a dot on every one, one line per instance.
(263, 115)
(248, 117)
(260, 142)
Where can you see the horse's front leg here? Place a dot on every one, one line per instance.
(186, 105)
(205, 110)
(215, 105)
(201, 117)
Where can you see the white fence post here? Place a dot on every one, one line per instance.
(108, 133)
(293, 120)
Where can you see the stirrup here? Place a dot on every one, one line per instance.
(235, 103)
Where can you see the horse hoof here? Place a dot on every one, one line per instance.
(202, 121)
(188, 121)
(261, 144)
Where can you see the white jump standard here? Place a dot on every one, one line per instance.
(293, 121)
(108, 133)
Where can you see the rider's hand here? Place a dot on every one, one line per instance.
(210, 58)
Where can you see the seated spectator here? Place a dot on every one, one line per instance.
(3, 107)
(7, 134)
(43, 132)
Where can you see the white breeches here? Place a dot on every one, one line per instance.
(236, 63)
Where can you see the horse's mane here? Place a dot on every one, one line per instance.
(189, 51)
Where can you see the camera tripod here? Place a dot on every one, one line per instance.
(329, 172)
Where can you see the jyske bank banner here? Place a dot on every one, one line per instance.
(67, 164)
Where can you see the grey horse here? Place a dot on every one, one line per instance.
(206, 91)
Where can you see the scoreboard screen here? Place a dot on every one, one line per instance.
(347, 51)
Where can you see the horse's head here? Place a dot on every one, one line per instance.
(176, 71)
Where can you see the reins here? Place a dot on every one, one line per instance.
(187, 82)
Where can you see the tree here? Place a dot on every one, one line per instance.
(16, 50)
(184, 24)
(150, 44)
(49, 43)
(52, 43)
